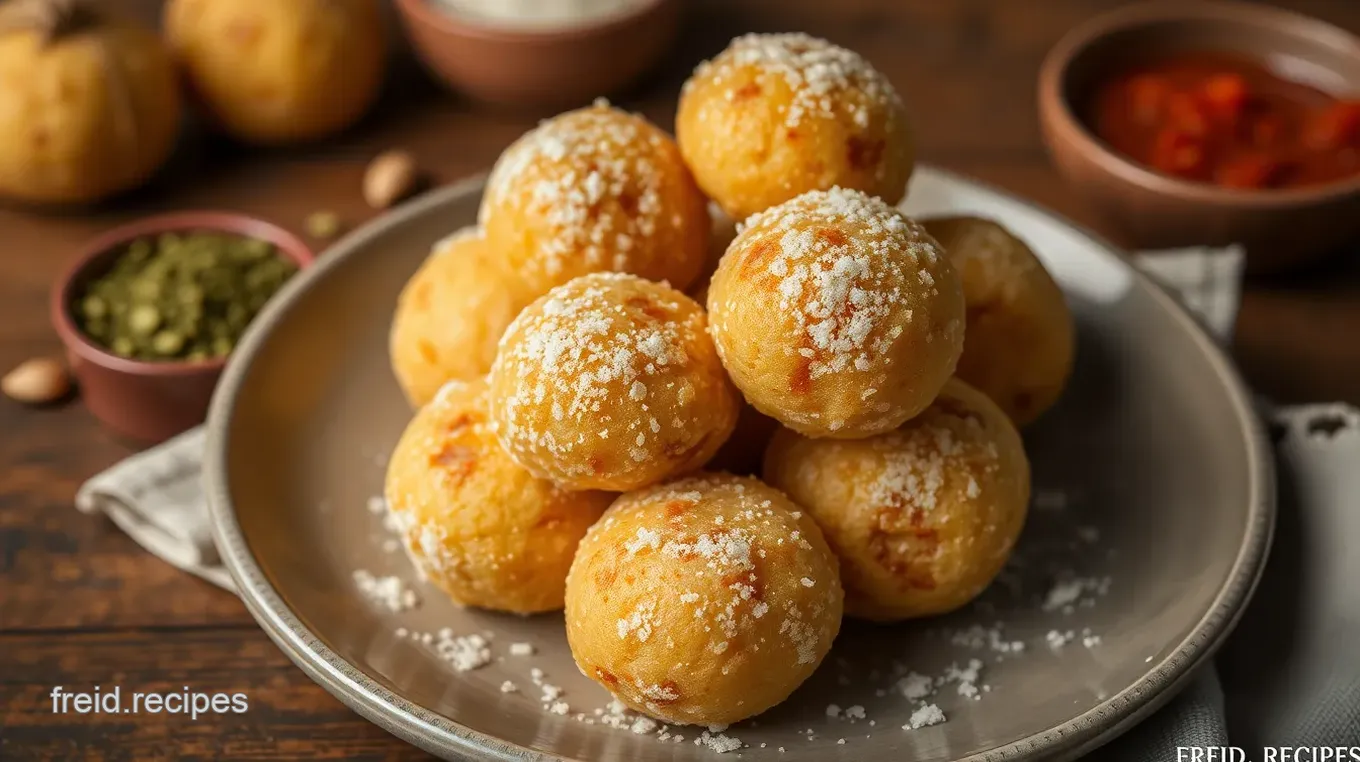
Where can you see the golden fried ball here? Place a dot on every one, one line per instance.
(611, 382)
(776, 115)
(836, 315)
(922, 518)
(451, 315)
(705, 600)
(1019, 344)
(478, 526)
(596, 190)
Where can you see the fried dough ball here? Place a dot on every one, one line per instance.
(611, 382)
(596, 190)
(451, 315)
(836, 315)
(705, 600)
(1019, 343)
(478, 526)
(922, 518)
(776, 115)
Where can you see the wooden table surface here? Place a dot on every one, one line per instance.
(81, 605)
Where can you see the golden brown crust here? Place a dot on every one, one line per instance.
(451, 315)
(479, 527)
(836, 314)
(706, 600)
(596, 190)
(1020, 339)
(922, 518)
(776, 115)
(611, 382)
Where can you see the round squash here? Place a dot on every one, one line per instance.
(89, 103)
(272, 72)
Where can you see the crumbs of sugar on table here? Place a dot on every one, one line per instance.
(978, 637)
(924, 717)
(389, 592)
(718, 742)
(464, 652)
(521, 649)
(1068, 592)
(509, 687)
(915, 686)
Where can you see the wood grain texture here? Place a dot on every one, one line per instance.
(80, 604)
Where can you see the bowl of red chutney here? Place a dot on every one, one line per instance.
(1210, 123)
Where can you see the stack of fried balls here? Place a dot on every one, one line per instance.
(599, 366)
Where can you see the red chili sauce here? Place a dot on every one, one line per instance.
(1227, 120)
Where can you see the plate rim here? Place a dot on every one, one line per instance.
(450, 739)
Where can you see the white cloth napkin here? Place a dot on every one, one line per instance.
(155, 496)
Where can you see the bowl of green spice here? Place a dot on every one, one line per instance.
(151, 311)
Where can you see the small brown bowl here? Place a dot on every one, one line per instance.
(541, 67)
(1278, 228)
(149, 402)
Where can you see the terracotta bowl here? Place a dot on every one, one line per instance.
(1278, 228)
(540, 67)
(149, 402)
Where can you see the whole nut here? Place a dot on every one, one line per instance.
(37, 381)
(390, 177)
(323, 224)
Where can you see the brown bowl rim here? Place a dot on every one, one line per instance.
(452, 23)
(1052, 99)
(287, 243)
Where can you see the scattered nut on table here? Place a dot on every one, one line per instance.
(37, 381)
(323, 224)
(391, 177)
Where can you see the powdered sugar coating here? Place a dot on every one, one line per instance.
(595, 190)
(611, 382)
(475, 524)
(690, 600)
(923, 517)
(836, 314)
(821, 76)
(801, 112)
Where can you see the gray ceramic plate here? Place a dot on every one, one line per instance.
(1154, 506)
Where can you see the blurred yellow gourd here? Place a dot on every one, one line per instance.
(280, 71)
(89, 104)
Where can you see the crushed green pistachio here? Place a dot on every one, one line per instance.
(181, 296)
